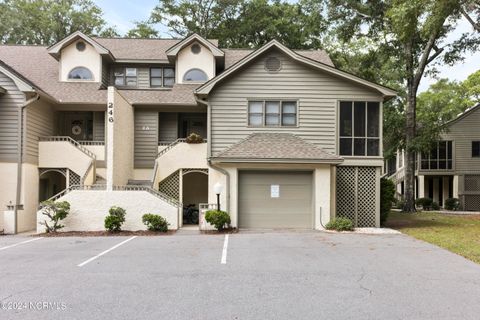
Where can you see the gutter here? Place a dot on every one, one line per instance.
(20, 156)
(209, 153)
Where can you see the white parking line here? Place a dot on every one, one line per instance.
(106, 251)
(17, 244)
(224, 251)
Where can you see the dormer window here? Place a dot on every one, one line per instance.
(80, 73)
(195, 75)
(80, 46)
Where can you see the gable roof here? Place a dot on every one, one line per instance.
(173, 51)
(234, 55)
(463, 115)
(276, 147)
(56, 48)
(21, 83)
(208, 86)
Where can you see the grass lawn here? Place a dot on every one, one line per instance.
(459, 234)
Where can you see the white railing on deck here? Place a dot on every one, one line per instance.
(71, 141)
(91, 143)
(171, 145)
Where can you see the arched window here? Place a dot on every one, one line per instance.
(196, 75)
(80, 73)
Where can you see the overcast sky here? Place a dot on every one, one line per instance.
(123, 16)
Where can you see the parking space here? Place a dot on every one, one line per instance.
(263, 275)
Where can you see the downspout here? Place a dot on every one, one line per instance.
(20, 156)
(209, 154)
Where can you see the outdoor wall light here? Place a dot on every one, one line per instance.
(217, 188)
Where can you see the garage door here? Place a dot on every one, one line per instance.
(275, 199)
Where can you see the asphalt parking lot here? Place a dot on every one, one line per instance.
(253, 275)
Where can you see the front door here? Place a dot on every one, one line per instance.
(79, 125)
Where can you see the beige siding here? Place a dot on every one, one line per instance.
(146, 138)
(39, 122)
(463, 132)
(10, 102)
(143, 78)
(167, 130)
(317, 94)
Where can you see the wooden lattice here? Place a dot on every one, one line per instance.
(356, 192)
(366, 192)
(346, 178)
(472, 183)
(171, 185)
(472, 202)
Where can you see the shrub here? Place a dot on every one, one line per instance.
(340, 224)
(115, 219)
(56, 212)
(452, 204)
(194, 138)
(435, 206)
(387, 198)
(219, 219)
(155, 222)
(425, 203)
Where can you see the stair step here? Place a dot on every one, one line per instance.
(139, 182)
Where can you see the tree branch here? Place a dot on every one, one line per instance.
(438, 51)
(475, 25)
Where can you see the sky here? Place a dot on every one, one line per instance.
(123, 16)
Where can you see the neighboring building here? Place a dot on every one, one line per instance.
(101, 122)
(451, 168)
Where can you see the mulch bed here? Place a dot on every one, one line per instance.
(226, 231)
(104, 233)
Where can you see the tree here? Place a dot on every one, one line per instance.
(415, 33)
(143, 29)
(242, 23)
(55, 212)
(45, 22)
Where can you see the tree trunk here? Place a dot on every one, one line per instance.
(409, 205)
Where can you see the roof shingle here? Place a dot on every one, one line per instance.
(279, 147)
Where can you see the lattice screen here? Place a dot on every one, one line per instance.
(472, 202)
(356, 192)
(366, 196)
(171, 185)
(472, 183)
(346, 180)
(74, 179)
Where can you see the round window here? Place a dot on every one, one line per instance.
(273, 64)
(196, 48)
(81, 45)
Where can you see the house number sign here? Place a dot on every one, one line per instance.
(110, 112)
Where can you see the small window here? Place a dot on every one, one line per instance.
(272, 113)
(155, 77)
(162, 77)
(475, 149)
(255, 113)
(196, 48)
(80, 73)
(195, 75)
(125, 77)
(168, 77)
(80, 45)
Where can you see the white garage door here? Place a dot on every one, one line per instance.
(273, 199)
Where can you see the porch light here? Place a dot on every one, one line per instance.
(217, 188)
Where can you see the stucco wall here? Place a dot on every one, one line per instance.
(89, 209)
(120, 135)
(187, 60)
(8, 172)
(60, 154)
(89, 58)
(29, 198)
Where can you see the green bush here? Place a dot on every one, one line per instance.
(340, 224)
(425, 203)
(55, 212)
(387, 198)
(115, 219)
(435, 206)
(219, 219)
(452, 204)
(155, 222)
(194, 138)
